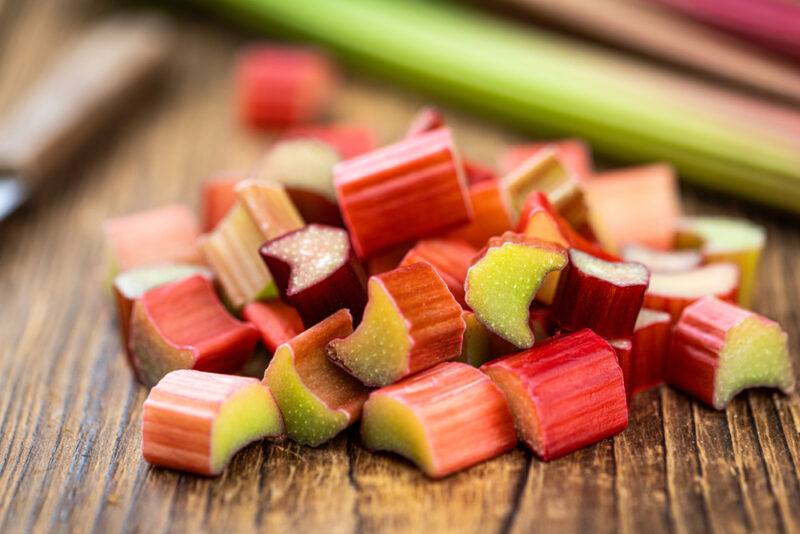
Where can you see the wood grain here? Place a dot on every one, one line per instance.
(70, 456)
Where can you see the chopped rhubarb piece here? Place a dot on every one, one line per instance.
(478, 173)
(195, 421)
(281, 85)
(217, 198)
(317, 399)
(601, 295)
(724, 239)
(348, 140)
(183, 325)
(411, 323)
(154, 237)
(444, 419)
(540, 220)
(719, 349)
(475, 350)
(263, 211)
(277, 322)
(648, 358)
(503, 280)
(131, 285)
(635, 206)
(542, 325)
(663, 261)
(491, 215)
(450, 259)
(317, 272)
(427, 119)
(305, 168)
(574, 153)
(565, 394)
(544, 172)
(623, 349)
(403, 192)
(672, 292)
(387, 260)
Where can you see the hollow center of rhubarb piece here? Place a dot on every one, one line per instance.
(378, 350)
(523, 409)
(649, 317)
(663, 261)
(247, 415)
(501, 286)
(715, 279)
(314, 253)
(618, 273)
(755, 354)
(390, 425)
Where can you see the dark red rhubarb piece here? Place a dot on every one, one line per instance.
(316, 272)
(604, 296)
(564, 394)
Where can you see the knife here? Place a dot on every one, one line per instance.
(85, 89)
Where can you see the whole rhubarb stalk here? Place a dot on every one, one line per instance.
(564, 394)
(600, 295)
(719, 349)
(317, 399)
(195, 421)
(411, 323)
(444, 419)
(406, 191)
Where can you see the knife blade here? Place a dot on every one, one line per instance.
(85, 89)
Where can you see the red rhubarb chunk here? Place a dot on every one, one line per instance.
(600, 295)
(444, 419)
(277, 322)
(218, 197)
(450, 259)
(564, 394)
(491, 215)
(649, 353)
(574, 153)
(183, 325)
(349, 140)
(317, 272)
(406, 191)
(672, 292)
(427, 119)
(281, 85)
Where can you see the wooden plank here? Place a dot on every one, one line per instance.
(70, 457)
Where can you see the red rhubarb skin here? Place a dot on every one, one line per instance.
(346, 287)
(218, 197)
(277, 322)
(573, 153)
(189, 316)
(575, 384)
(279, 86)
(675, 306)
(450, 258)
(388, 260)
(434, 317)
(185, 404)
(349, 140)
(406, 191)
(623, 348)
(649, 356)
(427, 119)
(457, 437)
(697, 340)
(477, 173)
(585, 301)
(491, 215)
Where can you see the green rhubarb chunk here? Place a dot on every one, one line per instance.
(755, 355)
(390, 425)
(308, 419)
(501, 285)
(377, 353)
(248, 415)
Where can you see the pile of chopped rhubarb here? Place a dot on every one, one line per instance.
(449, 309)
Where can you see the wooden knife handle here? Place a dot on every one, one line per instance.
(81, 93)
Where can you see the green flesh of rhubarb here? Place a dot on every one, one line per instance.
(377, 352)
(389, 425)
(755, 354)
(309, 420)
(501, 286)
(248, 415)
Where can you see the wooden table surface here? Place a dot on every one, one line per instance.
(70, 456)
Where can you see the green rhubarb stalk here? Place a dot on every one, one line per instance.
(544, 84)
